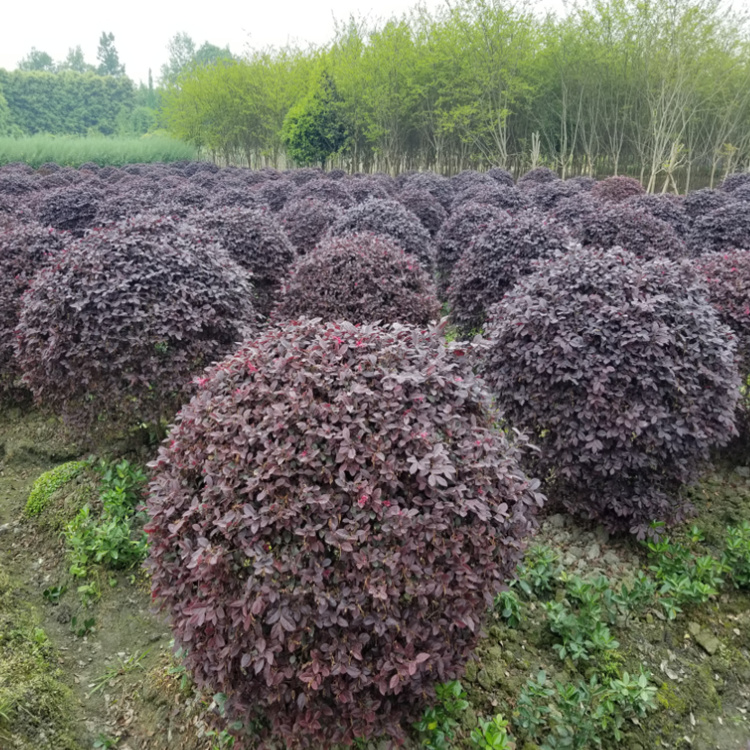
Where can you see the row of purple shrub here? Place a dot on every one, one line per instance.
(336, 503)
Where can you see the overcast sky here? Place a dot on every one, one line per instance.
(142, 28)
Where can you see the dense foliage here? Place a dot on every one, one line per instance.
(330, 588)
(256, 240)
(617, 189)
(390, 219)
(623, 375)
(727, 276)
(112, 333)
(456, 235)
(24, 249)
(306, 220)
(635, 230)
(425, 206)
(496, 259)
(360, 278)
(724, 228)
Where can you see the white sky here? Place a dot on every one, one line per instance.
(142, 28)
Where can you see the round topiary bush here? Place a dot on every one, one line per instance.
(361, 278)
(636, 230)
(306, 220)
(364, 188)
(275, 193)
(503, 176)
(426, 207)
(470, 178)
(330, 519)
(323, 189)
(701, 202)
(492, 194)
(617, 189)
(547, 195)
(583, 182)
(255, 239)
(727, 276)
(390, 219)
(441, 187)
(622, 374)
(457, 233)
(666, 207)
(536, 176)
(111, 334)
(24, 249)
(576, 212)
(495, 261)
(731, 182)
(725, 228)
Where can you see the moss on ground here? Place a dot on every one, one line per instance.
(49, 483)
(38, 709)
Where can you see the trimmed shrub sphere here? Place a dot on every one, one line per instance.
(331, 517)
(390, 219)
(112, 333)
(361, 278)
(622, 373)
(496, 259)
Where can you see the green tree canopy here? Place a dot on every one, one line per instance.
(316, 128)
(37, 60)
(109, 59)
(76, 62)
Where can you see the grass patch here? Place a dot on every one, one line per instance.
(37, 708)
(71, 151)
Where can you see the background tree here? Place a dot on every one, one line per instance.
(37, 60)
(106, 54)
(316, 128)
(76, 62)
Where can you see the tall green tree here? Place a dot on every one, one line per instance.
(109, 59)
(315, 129)
(76, 62)
(37, 60)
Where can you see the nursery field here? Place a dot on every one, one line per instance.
(304, 459)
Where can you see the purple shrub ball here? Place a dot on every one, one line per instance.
(333, 191)
(622, 374)
(497, 258)
(306, 221)
(426, 207)
(361, 278)
(390, 219)
(731, 182)
(617, 189)
(256, 240)
(536, 176)
(510, 199)
(439, 186)
(25, 248)
(457, 233)
(330, 519)
(110, 335)
(724, 228)
(636, 230)
(502, 176)
(701, 202)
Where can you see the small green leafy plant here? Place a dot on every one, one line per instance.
(538, 571)
(582, 715)
(508, 605)
(736, 557)
(437, 726)
(53, 594)
(82, 628)
(492, 734)
(111, 539)
(49, 483)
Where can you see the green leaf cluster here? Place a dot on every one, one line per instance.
(49, 483)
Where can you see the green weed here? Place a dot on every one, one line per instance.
(437, 726)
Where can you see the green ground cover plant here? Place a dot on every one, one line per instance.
(73, 151)
(49, 483)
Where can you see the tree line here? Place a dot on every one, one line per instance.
(75, 97)
(659, 89)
